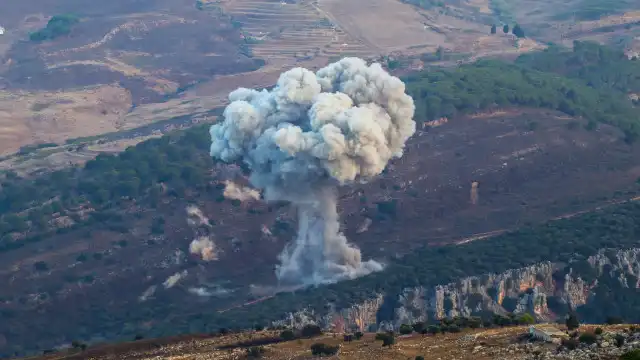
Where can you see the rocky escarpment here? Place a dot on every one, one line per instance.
(546, 290)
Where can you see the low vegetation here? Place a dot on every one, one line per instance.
(321, 349)
(490, 83)
(598, 66)
(594, 9)
(559, 241)
(58, 25)
(180, 161)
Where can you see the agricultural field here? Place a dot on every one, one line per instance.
(105, 62)
(168, 60)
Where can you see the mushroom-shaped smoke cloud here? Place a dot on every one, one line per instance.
(308, 135)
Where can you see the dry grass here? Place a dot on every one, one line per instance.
(41, 117)
(479, 344)
(291, 31)
(158, 84)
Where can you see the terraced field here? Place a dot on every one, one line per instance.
(280, 30)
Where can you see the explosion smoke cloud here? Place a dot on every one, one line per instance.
(312, 133)
(239, 192)
(204, 248)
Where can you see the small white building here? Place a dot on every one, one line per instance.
(546, 333)
(1, 30)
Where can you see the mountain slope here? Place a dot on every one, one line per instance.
(87, 252)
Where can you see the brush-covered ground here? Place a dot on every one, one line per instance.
(102, 251)
(476, 344)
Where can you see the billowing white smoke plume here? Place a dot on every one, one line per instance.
(203, 247)
(310, 134)
(195, 217)
(173, 279)
(239, 192)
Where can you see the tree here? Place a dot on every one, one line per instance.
(433, 329)
(494, 29)
(588, 338)
(517, 31)
(505, 29)
(406, 329)
(572, 321)
(526, 319)
(311, 330)
(419, 357)
(418, 327)
(388, 340)
(255, 352)
(287, 335)
(41, 266)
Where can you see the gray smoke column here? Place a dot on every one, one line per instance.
(308, 135)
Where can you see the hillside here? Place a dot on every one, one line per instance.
(476, 344)
(140, 69)
(73, 238)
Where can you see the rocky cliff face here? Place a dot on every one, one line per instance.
(543, 289)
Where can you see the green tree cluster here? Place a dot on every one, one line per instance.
(57, 26)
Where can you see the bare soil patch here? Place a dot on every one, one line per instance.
(53, 117)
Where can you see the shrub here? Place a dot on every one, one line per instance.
(388, 339)
(572, 321)
(526, 319)
(255, 352)
(419, 357)
(418, 327)
(287, 335)
(570, 344)
(454, 329)
(358, 335)
(406, 329)
(631, 355)
(433, 329)
(41, 266)
(619, 340)
(311, 331)
(324, 349)
(588, 338)
(598, 331)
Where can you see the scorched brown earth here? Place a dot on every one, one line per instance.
(529, 165)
